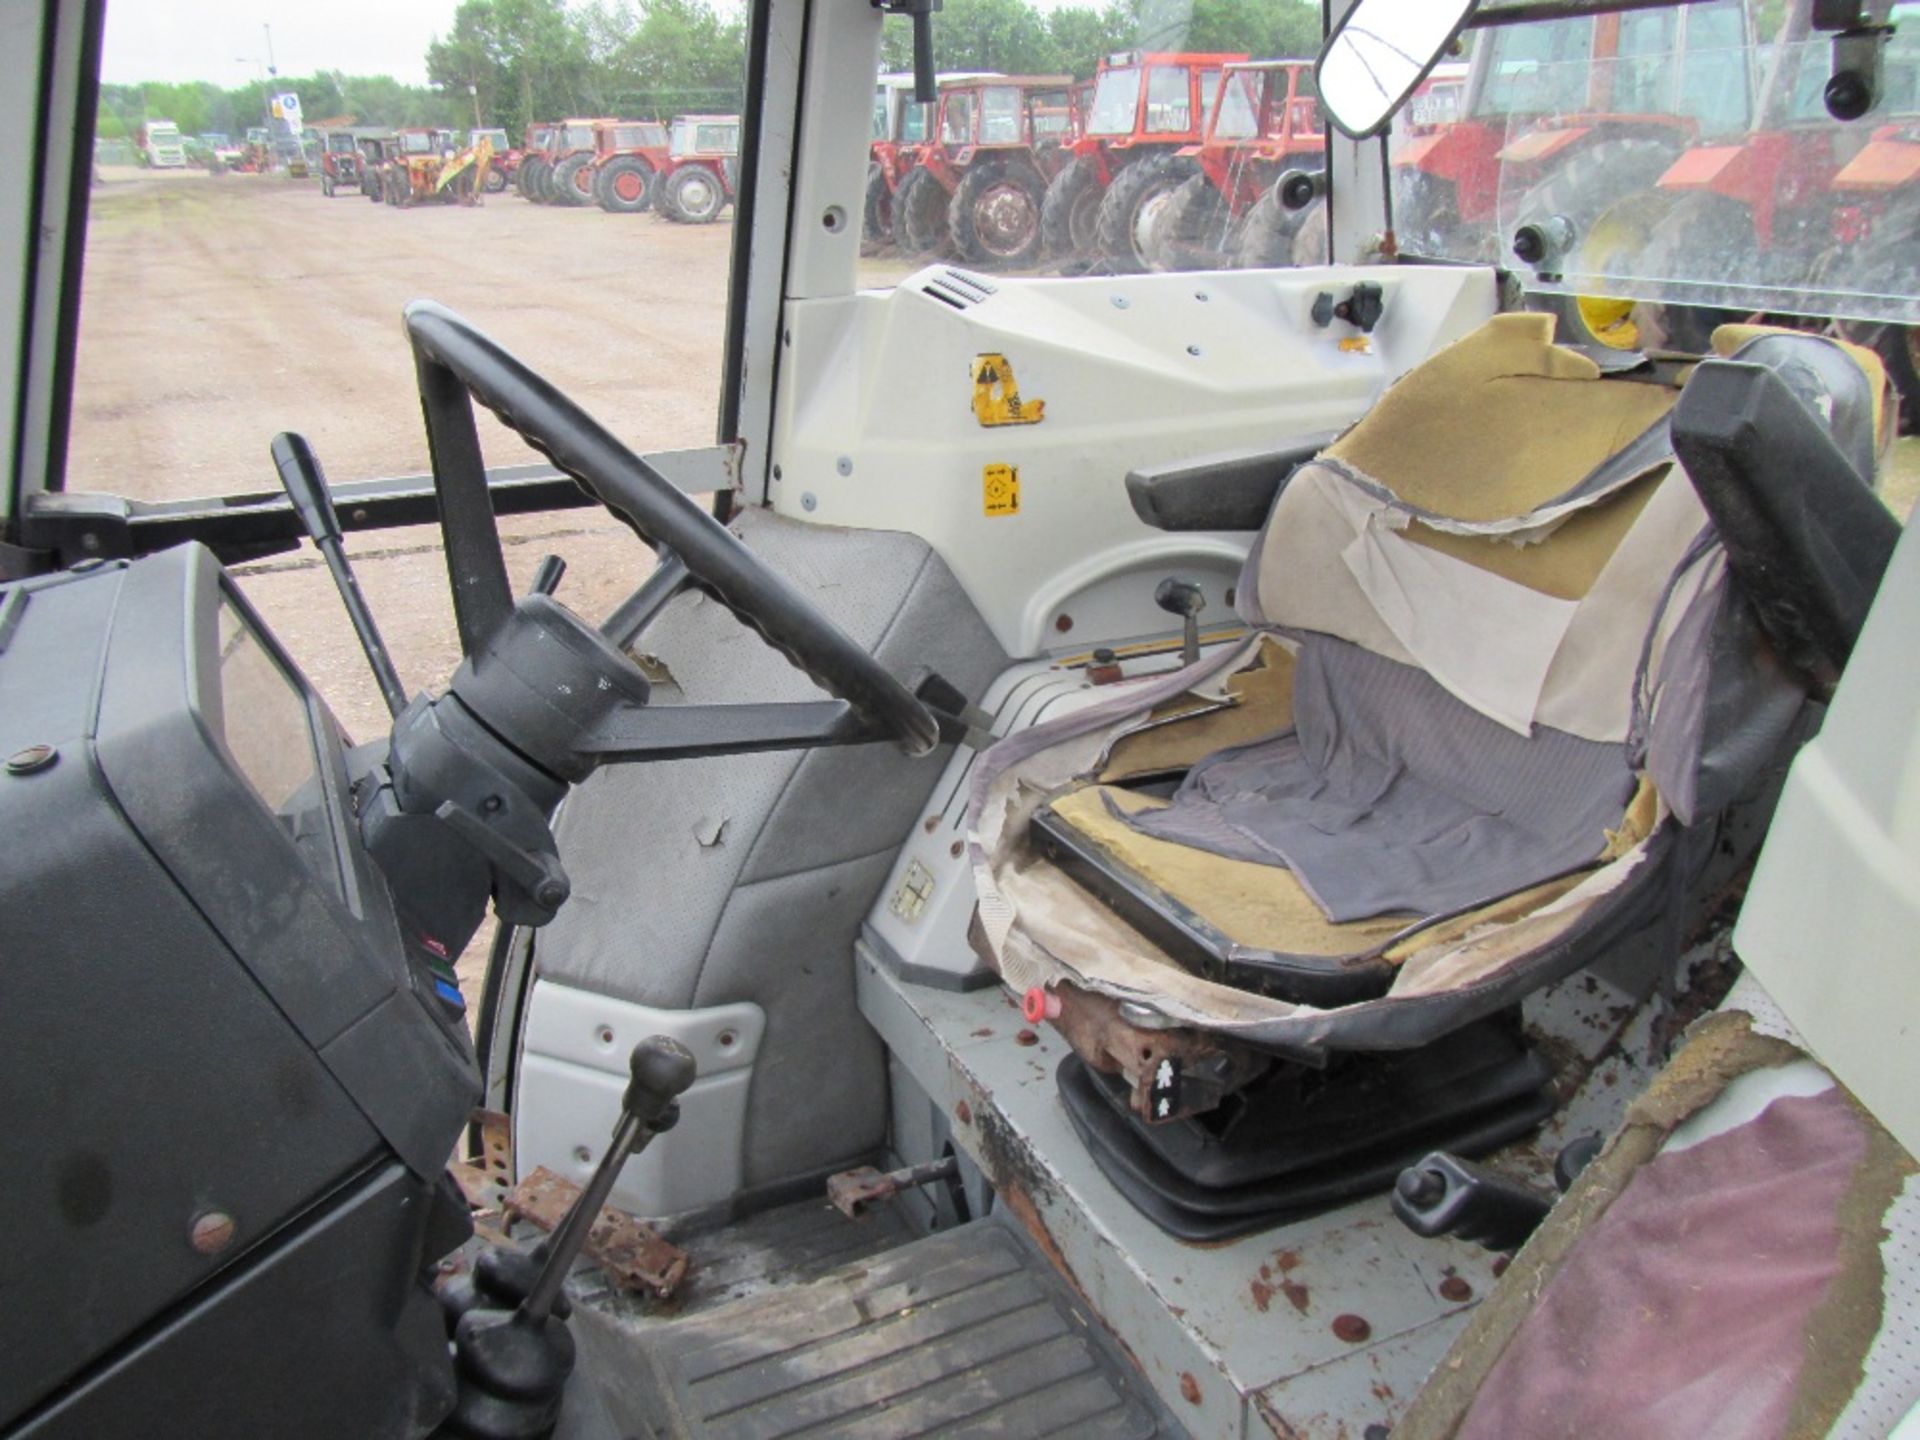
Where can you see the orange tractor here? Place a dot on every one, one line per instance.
(1801, 202)
(1125, 163)
(627, 156)
(1562, 118)
(1265, 123)
(978, 186)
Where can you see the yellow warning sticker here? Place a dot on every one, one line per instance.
(1000, 490)
(996, 395)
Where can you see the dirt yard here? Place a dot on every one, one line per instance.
(218, 311)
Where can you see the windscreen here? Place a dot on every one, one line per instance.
(1669, 170)
(1116, 98)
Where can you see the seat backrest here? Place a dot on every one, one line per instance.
(1505, 518)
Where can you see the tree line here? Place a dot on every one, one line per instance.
(510, 62)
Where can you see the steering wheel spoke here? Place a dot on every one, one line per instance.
(458, 364)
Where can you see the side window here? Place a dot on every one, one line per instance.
(913, 123)
(1169, 100)
(1209, 94)
(1716, 78)
(956, 119)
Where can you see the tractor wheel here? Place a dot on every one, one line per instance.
(1069, 223)
(1697, 224)
(994, 216)
(1191, 231)
(920, 215)
(696, 194)
(876, 214)
(1594, 189)
(1267, 238)
(523, 179)
(537, 173)
(1886, 261)
(624, 185)
(496, 180)
(572, 182)
(372, 188)
(1131, 206)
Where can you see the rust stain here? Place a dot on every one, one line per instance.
(1500, 1263)
(1351, 1328)
(1262, 1294)
(1455, 1289)
(983, 1032)
(1288, 1261)
(1189, 1388)
(1026, 1037)
(1297, 1295)
(963, 1112)
(632, 1253)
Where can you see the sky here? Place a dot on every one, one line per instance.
(222, 40)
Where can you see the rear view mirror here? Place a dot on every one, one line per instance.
(1379, 53)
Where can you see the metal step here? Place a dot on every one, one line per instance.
(969, 1333)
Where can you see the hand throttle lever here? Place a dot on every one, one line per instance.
(513, 1364)
(1183, 598)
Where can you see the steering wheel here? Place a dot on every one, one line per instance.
(457, 363)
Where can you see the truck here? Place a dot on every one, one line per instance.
(161, 147)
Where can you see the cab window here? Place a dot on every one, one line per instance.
(1000, 116)
(1169, 100)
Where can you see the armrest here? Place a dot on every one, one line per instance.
(1229, 491)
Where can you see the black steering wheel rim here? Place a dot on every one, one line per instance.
(458, 364)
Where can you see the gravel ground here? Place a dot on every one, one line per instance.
(220, 310)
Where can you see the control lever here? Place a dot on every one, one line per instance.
(306, 487)
(1445, 1195)
(1183, 598)
(546, 579)
(512, 1365)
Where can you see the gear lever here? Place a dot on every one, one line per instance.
(1183, 598)
(513, 1364)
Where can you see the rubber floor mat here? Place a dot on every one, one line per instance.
(963, 1334)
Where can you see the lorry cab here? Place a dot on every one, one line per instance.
(1291, 849)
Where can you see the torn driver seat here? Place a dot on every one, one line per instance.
(1496, 694)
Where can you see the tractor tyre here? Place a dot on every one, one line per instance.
(994, 216)
(1887, 261)
(1267, 238)
(1131, 206)
(572, 182)
(372, 188)
(624, 185)
(523, 179)
(496, 180)
(537, 172)
(876, 213)
(1597, 180)
(1069, 223)
(920, 208)
(695, 195)
(1696, 224)
(1192, 229)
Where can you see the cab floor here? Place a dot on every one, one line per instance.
(965, 1333)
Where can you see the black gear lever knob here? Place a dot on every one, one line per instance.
(1183, 598)
(662, 1068)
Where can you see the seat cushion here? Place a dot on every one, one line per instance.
(1387, 796)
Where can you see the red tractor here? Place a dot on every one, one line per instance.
(1563, 118)
(696, 179)
(570, 159)
(978, 186)
(339, 162)
(899, 129)
(627, 157)
(1125, 162)
(533, 147)
(1264, 123)
(1800, 202)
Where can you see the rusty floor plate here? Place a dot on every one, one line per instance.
(967, 1333)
